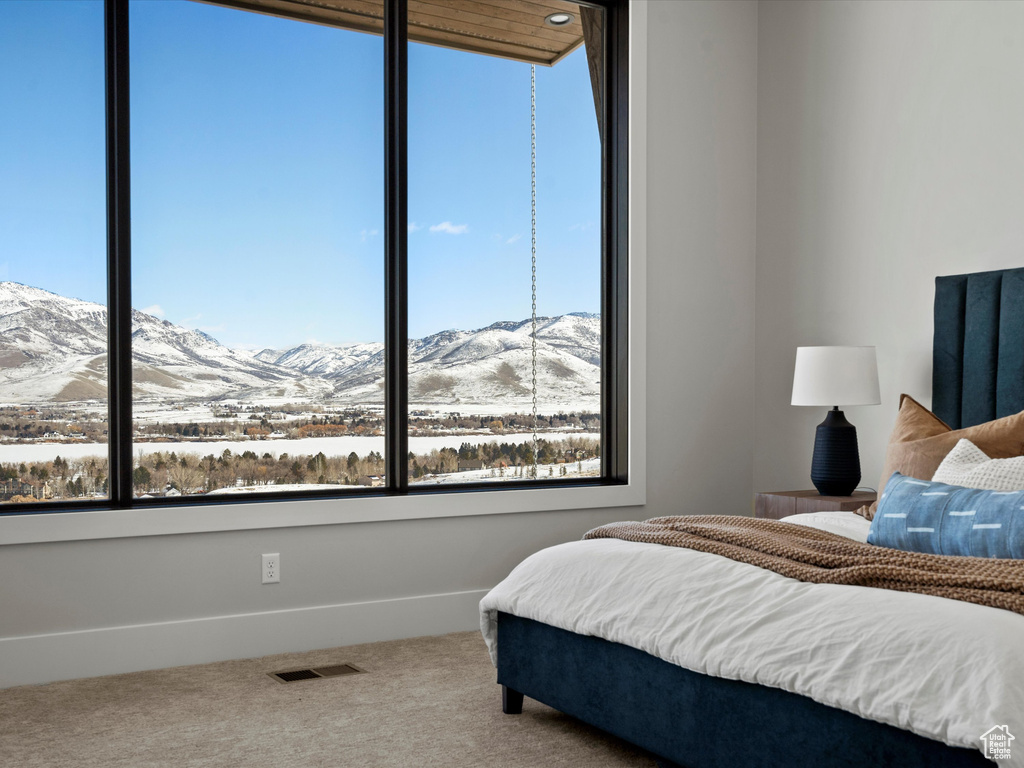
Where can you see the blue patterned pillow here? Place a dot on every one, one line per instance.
(918, 516)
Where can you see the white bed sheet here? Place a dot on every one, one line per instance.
(941, 668)
(847, 524)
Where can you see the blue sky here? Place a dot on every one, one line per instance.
(257, 165)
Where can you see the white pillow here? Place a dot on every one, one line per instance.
(968, 466)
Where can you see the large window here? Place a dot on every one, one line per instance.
(257, 252)
(53, 254)
(506, 218)
(310, 250)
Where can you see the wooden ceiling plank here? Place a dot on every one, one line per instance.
(471, 45)
(305, 13)
(483, 34)
(501, 18)
(373, 8)
(567, 51)
(531, 12)
(457, 19)
(536, 8)
(433, 34)
(480, 44)
(490, 27)
(495, 11)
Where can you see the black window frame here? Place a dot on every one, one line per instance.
(614, 277)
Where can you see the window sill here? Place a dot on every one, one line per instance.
(167, 521)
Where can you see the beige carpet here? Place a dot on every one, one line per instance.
(429, 701)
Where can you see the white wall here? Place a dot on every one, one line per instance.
(889, 151)
(702, 143)
(93, 607)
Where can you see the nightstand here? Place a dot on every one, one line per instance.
(775, 505)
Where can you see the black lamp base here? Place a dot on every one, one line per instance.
(835, 467)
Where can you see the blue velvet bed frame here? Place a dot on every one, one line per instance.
(688, 719)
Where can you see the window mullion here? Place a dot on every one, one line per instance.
(615, 249)
(396, 397)
(119, 312)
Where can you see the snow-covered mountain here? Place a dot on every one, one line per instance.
(492, 364)
(53, 349)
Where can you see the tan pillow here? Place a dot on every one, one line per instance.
(920, 441)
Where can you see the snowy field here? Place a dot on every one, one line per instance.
(204, 413)
(330, 446)
(591, 468)
(193, 412)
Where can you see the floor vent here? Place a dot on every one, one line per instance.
(338, 669)
(294, 675)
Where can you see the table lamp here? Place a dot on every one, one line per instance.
(834, 376)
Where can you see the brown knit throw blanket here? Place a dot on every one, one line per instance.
(819, 557)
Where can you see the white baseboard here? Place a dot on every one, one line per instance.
(37, 659)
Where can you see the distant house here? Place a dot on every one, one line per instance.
(466, 465)
(371, 481)
(12, 488)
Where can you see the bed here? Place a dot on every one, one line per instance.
(765, 670)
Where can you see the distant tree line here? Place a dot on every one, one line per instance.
(420, 423)
(503, 457)
(60, 478)
(262, 426)
(163, 472)
(30, 423)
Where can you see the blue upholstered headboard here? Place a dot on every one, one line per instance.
(978, 351)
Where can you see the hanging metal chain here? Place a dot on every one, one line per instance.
(533, 248)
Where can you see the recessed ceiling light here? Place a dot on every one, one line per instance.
(559, 19)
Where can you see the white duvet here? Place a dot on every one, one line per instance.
(941, 668)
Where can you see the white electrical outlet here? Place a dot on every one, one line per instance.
(272, 568)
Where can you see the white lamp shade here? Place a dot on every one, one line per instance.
(835, 376)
